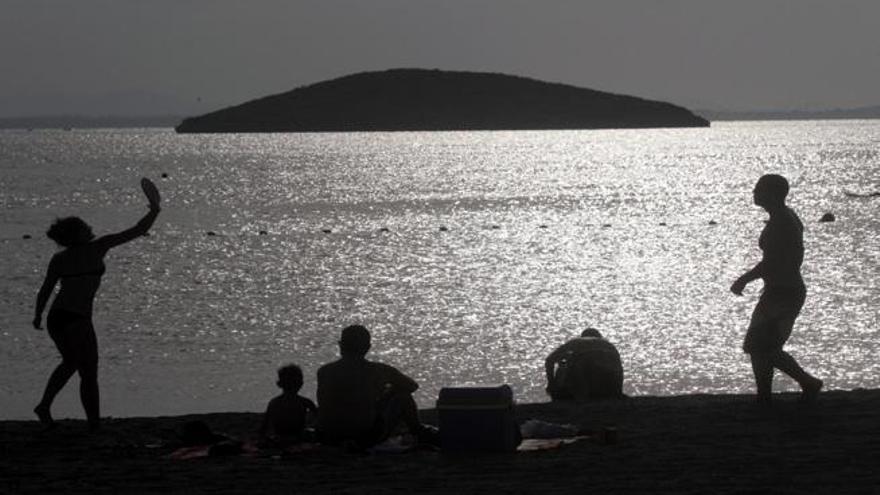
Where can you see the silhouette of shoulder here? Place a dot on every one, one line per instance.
(297, 401)
(374, 374)
(782, 230)
(588, 350)
(587, 345)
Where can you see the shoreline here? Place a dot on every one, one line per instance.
(674, 444)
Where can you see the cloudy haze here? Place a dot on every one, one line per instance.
(127, 57)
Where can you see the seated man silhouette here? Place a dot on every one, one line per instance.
(584, 368)
(363, 401)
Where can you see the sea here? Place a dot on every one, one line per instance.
(469, 255)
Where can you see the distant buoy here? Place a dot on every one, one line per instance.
(496, 227)
(211, 233)
(443, 228)
(326, 231)
(383, 229)
(542, 226)
(263, 232)
(26, 236)
(164, 175)
(713, 222)
(663, 224)
(606, 225)
(828, 217)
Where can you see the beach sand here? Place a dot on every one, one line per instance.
(684, 444)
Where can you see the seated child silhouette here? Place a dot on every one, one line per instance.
(286, 416)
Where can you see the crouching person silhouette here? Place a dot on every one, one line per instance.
(584, 368)
(362, 402)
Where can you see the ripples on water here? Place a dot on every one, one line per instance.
(543, 234)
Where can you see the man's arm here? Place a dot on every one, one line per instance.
(264, 425)
(399, 382)
(553, 359)
(748, 277)
(321, 389)
(550, 367)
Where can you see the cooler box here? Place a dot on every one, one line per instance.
(477, 418)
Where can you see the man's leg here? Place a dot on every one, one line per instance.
(788, 365)
(762, 367)
(757, 343)
(401, 408)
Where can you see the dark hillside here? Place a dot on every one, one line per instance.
(429, 100)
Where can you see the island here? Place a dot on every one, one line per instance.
(435, 100)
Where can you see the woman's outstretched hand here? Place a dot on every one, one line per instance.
(151, 192)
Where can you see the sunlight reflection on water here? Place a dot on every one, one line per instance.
(543, 233)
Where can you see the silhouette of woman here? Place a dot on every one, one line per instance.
(79, 267)
(782, 244)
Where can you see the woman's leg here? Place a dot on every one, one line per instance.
(87, 366)
(56, 382)
(57, 324)
(75, 338)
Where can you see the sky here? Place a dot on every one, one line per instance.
(183, 57)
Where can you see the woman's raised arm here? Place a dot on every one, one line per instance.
(142, 227)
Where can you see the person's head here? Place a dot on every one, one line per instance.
(290, 378)
(591, 332)
(355, 341)
(770, 191)
(70, 231)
